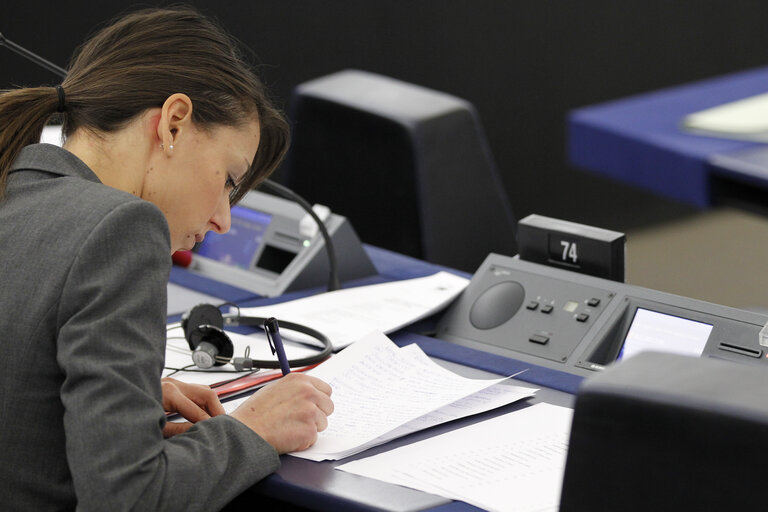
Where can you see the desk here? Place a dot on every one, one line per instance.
(637, 140)
(318, 485)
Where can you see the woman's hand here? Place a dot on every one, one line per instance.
(195, 402)
(288, 413)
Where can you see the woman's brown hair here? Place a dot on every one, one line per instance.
(135, 64)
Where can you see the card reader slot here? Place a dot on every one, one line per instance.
(751, 352)
(286, 238)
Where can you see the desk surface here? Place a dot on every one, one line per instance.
(319, 486)
(638, 140)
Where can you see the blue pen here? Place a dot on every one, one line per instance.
(276, 343)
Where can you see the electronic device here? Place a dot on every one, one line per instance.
(580, 324)
(210, 346)
(578, 247)
(272, 248)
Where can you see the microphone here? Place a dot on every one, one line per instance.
(50, 66)
(184, 260)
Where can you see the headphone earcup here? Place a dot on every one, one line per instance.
(204, 330)
(213, 348)
(202, 314)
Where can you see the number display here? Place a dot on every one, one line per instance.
(564, 250)
(570, 251)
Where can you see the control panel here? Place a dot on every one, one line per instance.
(579, 323)
(273, 246)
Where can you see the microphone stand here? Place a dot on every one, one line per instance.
(50, 66)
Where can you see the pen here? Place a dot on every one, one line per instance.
(276, 343)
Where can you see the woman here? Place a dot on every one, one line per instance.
(165, 128)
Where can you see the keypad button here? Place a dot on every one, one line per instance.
(541, 339)
(582, 317)
(593, 302)
(547, 309)
(532, 305)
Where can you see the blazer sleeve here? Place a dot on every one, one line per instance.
(111, 347)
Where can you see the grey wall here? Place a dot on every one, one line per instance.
(523, 64)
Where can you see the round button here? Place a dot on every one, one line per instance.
(496, 305)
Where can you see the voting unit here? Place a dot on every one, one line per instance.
(273, 247)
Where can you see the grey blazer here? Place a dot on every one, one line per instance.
(83, 272)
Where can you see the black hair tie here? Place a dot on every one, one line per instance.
(62, 107)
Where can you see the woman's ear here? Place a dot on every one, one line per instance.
(175, 120)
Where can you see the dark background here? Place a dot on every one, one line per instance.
(523, 64)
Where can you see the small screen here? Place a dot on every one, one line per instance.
(275, 259)
(660, 332)
(239, 245)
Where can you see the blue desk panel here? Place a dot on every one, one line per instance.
(638, 141)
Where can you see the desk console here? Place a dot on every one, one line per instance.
(579, 324)
(270, 249)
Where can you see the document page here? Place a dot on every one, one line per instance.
(745, 119)
(381, 392)
(347, 315)
(513, 462)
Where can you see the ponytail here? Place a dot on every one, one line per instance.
(23, 114)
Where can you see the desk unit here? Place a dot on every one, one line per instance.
(637, 140)
(576, 347)
(578, 324)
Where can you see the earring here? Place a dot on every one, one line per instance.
(170, 146)
(161, 146)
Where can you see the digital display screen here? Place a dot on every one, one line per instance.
(660, 332)
(239, 245)
(275, 259)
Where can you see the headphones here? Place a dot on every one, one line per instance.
(204, 330)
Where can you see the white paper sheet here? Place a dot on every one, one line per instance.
(744, 119)
(347, 315)
(514, 462)
(379, 388)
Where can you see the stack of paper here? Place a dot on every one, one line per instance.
(382, 392)
(514, 462)
(347, 315)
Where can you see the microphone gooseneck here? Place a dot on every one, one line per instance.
(31, 56)
(276, 188)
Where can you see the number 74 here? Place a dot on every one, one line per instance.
(569, 251)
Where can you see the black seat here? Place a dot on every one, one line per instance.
(409, 166)
(669, 432)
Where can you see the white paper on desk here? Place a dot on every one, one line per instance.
(381, 392)
(513, 462)
(744, 119)
(178, 355)
(347, 315)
